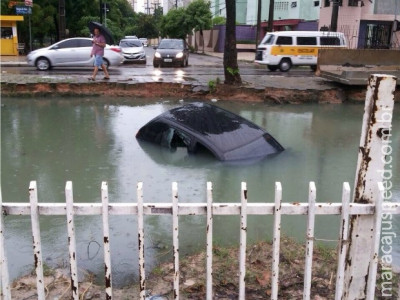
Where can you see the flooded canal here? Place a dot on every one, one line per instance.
(92, 140)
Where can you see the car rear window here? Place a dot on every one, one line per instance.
(329, 41)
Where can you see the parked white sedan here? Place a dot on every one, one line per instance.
(73, 52)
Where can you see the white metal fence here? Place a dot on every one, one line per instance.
(70, 209)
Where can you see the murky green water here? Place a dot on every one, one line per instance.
(89, 141)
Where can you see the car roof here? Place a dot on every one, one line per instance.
(227, 135)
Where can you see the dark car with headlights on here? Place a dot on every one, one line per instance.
(171, 52)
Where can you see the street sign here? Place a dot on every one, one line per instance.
(23, 10)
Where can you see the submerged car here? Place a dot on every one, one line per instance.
(201, 126)
(132, 50)
(73, 52)
(171, 52)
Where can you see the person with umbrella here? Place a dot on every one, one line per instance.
(99, 43)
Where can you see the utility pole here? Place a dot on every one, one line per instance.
(271, 16)
(335, 12)
(61, 21)
(258, 21)
(101, 12)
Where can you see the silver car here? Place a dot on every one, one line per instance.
(73, 52)
(132, 50)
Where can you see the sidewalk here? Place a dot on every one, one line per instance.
(13, 61)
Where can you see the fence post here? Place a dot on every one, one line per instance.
(209, 241)
(37, 244)
(5, 292)
(140, 218)
(243, 242)
(175, 237)
(375, 136)
(106, 241)
(72, 241)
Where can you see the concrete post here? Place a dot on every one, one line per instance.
(375, 138)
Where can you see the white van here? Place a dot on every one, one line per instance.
(284, 49)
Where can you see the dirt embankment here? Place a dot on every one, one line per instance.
(338, 94)
(225, 277)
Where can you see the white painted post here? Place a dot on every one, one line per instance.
(376, 242)
(243, 241)
(5, 292)
(343, 240)
(276, 241)
(37, 245)
(71, 240)
(106, 241)
(209, 240)
(175, 237)
(375, 136)
(310, 241)
(142, 276)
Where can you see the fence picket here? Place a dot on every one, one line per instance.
(71, 240)
(373, 265)
(343, 240)
(5, 292)
(310, 241)
(209, 241)
(142, 276)
(37, 245)
(175, 237)
(243, 241)
(106, 239)
(276, 241)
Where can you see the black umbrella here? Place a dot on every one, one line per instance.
(104, 31)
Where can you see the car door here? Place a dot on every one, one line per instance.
(83, 53)
(63, 53)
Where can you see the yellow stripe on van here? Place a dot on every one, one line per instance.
(295, 50)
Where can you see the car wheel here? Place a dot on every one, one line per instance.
(43, 64)
(285, 65)
(313, 67)
(272, 68)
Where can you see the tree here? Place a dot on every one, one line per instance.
(175, 24)
(218, 20)
(199, 16)
(231, 68)
(145, 26)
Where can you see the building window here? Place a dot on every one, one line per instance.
(316, 3)
(6, 33)
(281, 5)
(327, 3)
(293, 5)
(353, 2)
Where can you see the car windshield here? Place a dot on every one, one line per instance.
(268, 39)
(134, 43)
(171, 44)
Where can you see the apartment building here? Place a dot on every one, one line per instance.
(367, 24)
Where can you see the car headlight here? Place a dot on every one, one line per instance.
(179, 55)
(157, 54)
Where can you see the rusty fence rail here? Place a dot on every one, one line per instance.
(345, 209)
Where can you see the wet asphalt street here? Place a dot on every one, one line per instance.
(201, 70)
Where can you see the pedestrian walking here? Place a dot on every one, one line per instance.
(99, 43)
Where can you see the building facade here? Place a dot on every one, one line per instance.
(9, 34)
(366, 24)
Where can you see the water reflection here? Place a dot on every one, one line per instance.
(92, 140)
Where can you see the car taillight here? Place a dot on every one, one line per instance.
(116, 49)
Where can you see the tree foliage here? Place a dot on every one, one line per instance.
(219, 20)
(199, 15)
(175, 24)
